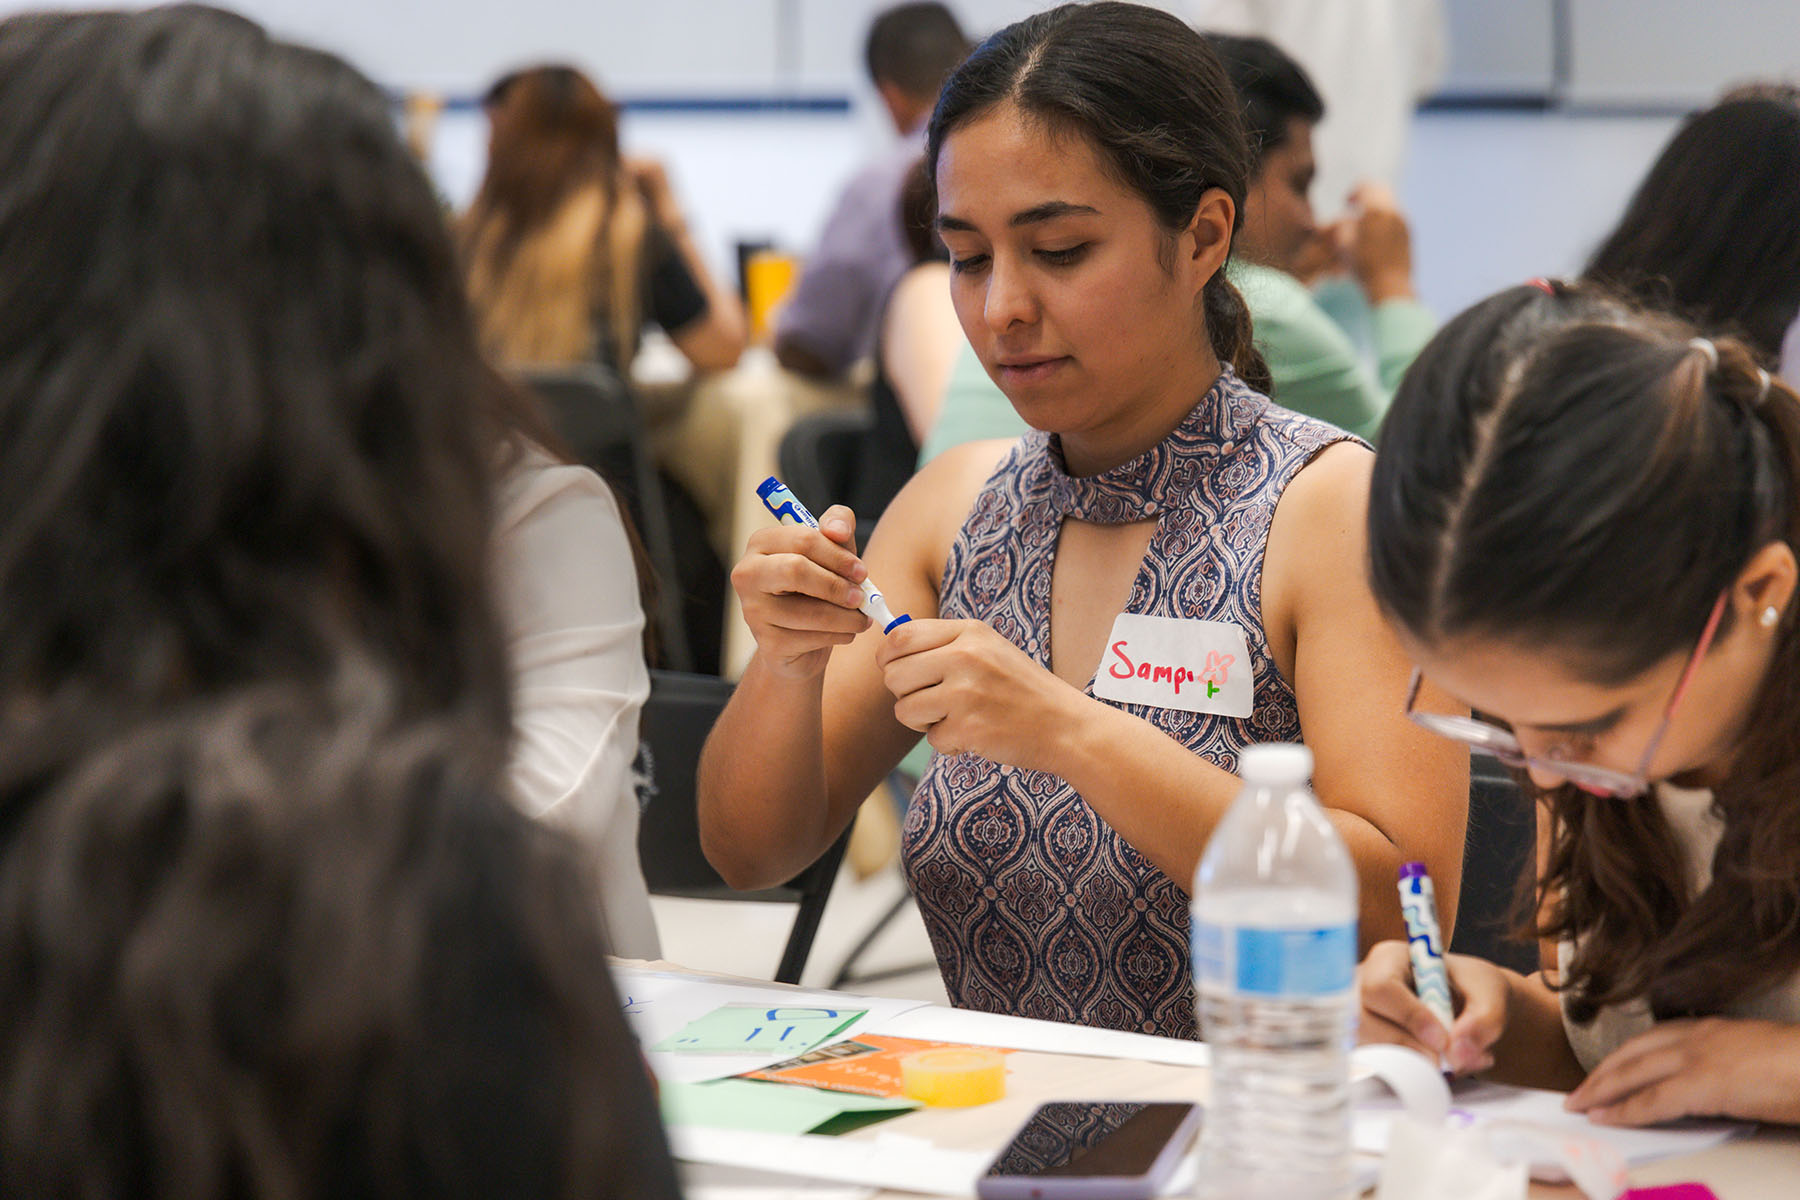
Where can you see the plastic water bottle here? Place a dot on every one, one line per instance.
(1274, 927)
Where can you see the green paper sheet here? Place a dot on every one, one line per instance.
(758, 1029)
(773, 1107)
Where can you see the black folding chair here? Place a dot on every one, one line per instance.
(678, 716)
(817, 456)
(592, 408)
(1499, 851)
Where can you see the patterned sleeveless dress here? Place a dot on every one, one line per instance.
(1034, 905)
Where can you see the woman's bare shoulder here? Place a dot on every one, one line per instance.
(922, 522)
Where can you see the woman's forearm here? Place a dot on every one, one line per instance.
(1161, 797)
(762, 795)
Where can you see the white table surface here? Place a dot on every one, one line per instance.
(1763, 1166)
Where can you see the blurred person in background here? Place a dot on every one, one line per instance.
(569, 248)
(1371, 60)
(919, 340)
(268, 922)
(1316, 367)
(570, 576)
(832, 318)
(1713, 232)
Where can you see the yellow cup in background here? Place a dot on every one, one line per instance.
(768, 277)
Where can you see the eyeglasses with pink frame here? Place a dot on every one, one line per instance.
(1496, 742)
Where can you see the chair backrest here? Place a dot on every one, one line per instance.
(676, 719)
(818, 455)
(593, 410)
(591, 407)
(1500, 850)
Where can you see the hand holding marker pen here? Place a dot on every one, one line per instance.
(787, 509)
(1424, 942)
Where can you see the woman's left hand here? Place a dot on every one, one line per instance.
(652, 180)
(969, 690)
(1712, 1067)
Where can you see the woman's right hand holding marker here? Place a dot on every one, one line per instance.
(798, 589)
(1392, 1011)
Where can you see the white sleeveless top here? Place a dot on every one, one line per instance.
(568, 597)
(1697, 830)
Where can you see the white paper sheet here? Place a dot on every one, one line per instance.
(1430, 1162)
(661, 1003)
(708, 1181)
(1050, 1037)
(1493, 1103)
(892, 1161)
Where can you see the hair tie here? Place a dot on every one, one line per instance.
(1705, 346)
(1762, 388)
(1543, 285)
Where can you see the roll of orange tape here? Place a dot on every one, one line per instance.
(953, 1077)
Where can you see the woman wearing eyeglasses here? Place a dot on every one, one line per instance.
(1582, 523)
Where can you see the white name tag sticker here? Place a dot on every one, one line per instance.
(1199, 666)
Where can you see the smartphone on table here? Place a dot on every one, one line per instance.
(1092, 1150)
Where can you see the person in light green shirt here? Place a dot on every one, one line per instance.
(1316, 366)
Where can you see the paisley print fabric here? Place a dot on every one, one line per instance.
(1035, 906)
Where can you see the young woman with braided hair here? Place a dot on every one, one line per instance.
(1583, 521)
(1090, 168)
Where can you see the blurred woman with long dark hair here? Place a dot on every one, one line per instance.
(1713, 232)
(570, 248)
(268, 925)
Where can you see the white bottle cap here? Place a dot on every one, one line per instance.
(1275, 764)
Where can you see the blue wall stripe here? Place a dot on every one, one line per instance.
(710, 105)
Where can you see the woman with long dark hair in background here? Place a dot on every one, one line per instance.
(1713, 232)
(570, 248)
(1583, 521)
(1090, 168)
(268, 925)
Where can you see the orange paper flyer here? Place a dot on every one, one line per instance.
(867, 1065)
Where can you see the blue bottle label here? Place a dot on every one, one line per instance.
(1275, 962)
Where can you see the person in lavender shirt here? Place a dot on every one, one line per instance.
(829, 321)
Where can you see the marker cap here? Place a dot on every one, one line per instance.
(1275, 764)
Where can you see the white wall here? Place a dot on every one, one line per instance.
(1619, 53)
(1637, 51)
(1495, 198)
(1629, 51)
(1500, 49)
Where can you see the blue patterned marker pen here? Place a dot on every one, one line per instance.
(1424, 940)
(789, 511)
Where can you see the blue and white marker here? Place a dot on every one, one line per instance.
(1425, 941)
(787, 509)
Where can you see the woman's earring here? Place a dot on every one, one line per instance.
(1770, 615)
